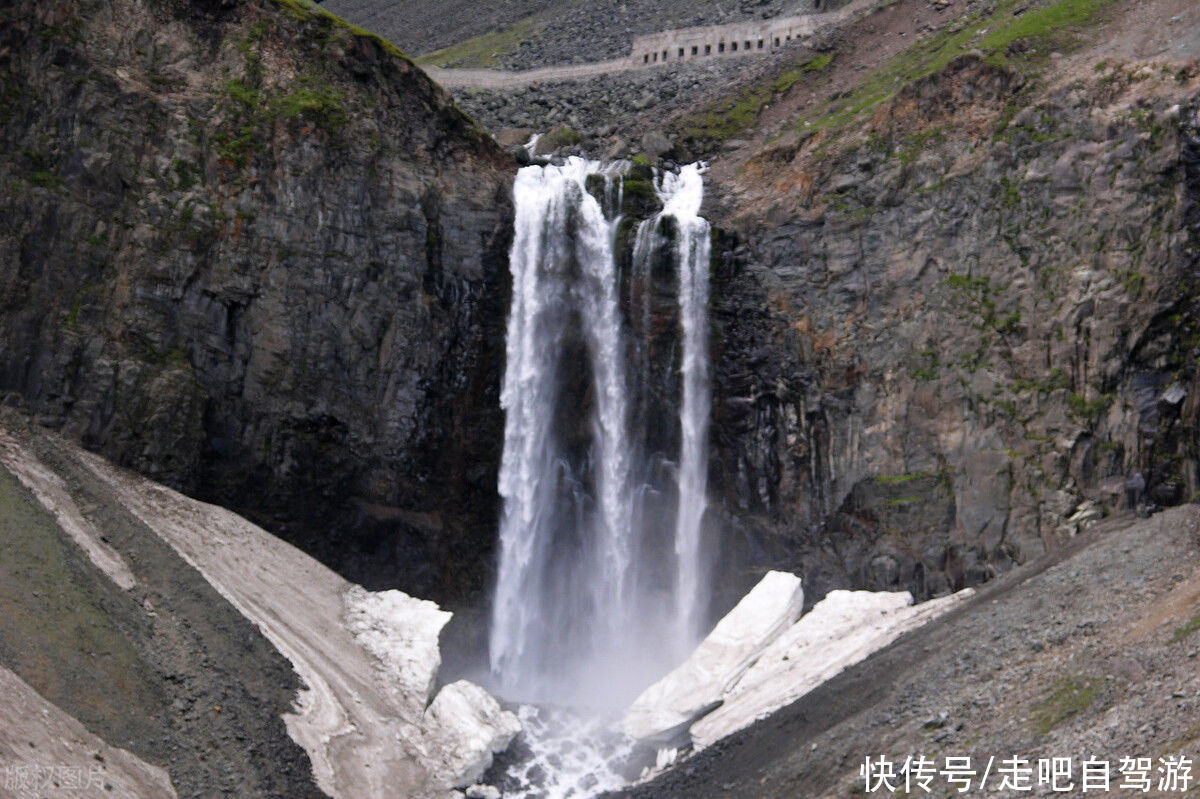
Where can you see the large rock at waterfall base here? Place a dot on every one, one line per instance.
(665, 709)
(842, 629)
(467, 726)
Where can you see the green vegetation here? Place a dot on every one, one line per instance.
(82, 293)
(1052, 382)
(976, 293)
(912, 145)
(900, 479)
(929, 367)
(323, 104)
(41, 169)
(731, 115)
(43, 179)
(1010, 22)
(638, 198)
(1068, 697)
(482, 52)
(1086, 410)
(1010, 195)
(561, 136)
(1186, 629)
(258, 109)
(1133, 281)
(185, 174)
(56, 610)
(307, 11)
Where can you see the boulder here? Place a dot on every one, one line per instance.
(466, 726)
(842, 629)
(667, 708)
(513, 137)
(655, 144)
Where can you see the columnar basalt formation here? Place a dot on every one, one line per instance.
(264, 261)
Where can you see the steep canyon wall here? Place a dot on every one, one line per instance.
(253, 252)
(945, 344)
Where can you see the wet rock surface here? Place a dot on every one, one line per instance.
(257, 255)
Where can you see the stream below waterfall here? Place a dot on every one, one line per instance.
(604, 565)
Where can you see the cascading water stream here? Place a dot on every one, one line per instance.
(596, 598)
(682, 195)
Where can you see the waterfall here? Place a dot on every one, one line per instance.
(590, 606)
(682, 195)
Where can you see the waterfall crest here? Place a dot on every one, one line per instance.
(596, 597)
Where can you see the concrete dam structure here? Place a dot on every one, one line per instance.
(666, 48)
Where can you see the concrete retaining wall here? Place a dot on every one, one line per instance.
(665, 49)
(747, 38)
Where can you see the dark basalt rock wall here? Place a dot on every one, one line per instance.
(255, 254)
(950, 341)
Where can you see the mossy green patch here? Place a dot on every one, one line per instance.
(732, 115)
(901, 479)
(1055, 380)
(43, 179)
(55, 632)
(482, 52)
(989, 32)
(1069, 696)
(323, 104)
(1186, 629)
(561, 136)
(1086, 410)
(307, 10)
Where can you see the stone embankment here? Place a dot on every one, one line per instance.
(668, 48)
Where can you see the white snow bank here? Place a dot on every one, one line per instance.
(402, 633)
(468, 726)
(665, 709)
(361, 715)
(842, 629)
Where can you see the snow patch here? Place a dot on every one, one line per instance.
(842, 629)
(468, 726)
(401, 632)
(665, 709)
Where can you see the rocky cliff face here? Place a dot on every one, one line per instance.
(255, 253)
(949, 338)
